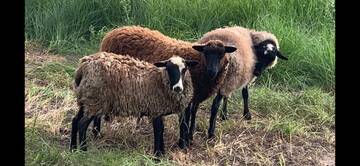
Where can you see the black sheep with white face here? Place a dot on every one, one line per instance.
(176, 68)
(267, 54)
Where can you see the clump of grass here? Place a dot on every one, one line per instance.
(290, 112)
(43, 148)
(68, 24)
(57, 74)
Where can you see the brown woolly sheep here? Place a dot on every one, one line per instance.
(267, 51)
(116, 85)
(152, 46)
(247, 62)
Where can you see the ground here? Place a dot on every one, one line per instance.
(288, 128)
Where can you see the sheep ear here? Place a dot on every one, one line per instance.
(199, 48)
(191, 63)
(160, 64)
(278, 54)
(229, 49)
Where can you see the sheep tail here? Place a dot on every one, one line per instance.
(78, 77)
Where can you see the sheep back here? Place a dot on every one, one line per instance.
(146, 44)
(153, 46)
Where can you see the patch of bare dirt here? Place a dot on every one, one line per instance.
(327, 159)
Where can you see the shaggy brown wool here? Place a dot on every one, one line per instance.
(152, 46)
(126, 86)
(241, 63)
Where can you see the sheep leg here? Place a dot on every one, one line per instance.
(83, 125)
(96, 127)
(184, 130)
(214, 110)
(193, 117)
(245, 94)
(74, 128)
(158, 127)
(224, 110)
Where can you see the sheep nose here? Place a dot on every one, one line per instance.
(177, 89)
(211, 73)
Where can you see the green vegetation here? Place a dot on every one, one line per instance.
(292, 103)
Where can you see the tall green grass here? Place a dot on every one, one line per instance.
(305, 28)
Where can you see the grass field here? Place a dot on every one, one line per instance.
(293, 104)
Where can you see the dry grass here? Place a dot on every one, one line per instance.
(50, 106)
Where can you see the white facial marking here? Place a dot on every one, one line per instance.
(269, 47)
(180, 63)
(179, 84)
(177, 61)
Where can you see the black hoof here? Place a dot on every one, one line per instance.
(156, 159)
(83, 148)
(224, 117)
(182, 144)
(190, 137)
(159, 153)
(72, 148)
(191, 142)
(247, 116)
(211, 135)
(97, 136)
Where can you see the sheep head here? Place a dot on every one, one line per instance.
(267, 54)
(214, 53)
(176, 68)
